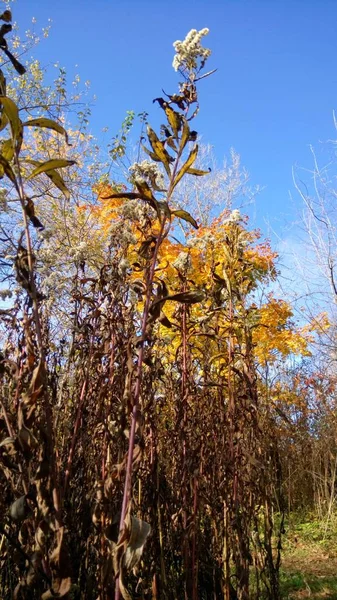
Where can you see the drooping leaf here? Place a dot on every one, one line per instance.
(16, 64)
(198, 172)
(129, 548)
(147, 247)
(144, 190)
(174, 119)
(126, 195)
(58, 181)
(191, 297)
(55, 178)
(19, 510)
(50, 165)
(144, 194)
(165, 321)
(185, 135)
(191, 158)
(6, 169)
(3, 121)
(159, 150)
(155, 309)
(183, 214)
(49, 124)
(7, 149)
(170, 142)
(12, 113)
(140, 530)
(151, 154)
(30, 212)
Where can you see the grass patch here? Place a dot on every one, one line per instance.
(309, 565)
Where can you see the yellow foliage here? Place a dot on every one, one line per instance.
(275, 333)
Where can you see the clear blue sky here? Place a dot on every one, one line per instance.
(273, 94)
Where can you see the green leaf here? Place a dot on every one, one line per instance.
(192, 156)
(159, 150)
(49, 124)
(198, 172)
(12, 112)
(50, 165)
(183, 214)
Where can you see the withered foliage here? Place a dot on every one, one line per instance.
(134, 464)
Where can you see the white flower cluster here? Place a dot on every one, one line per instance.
(146, 171)
(121, 235)
(203, 243)
(234, 217)
(183, 262)
(137, 210)
(189, 51)
(79, 252)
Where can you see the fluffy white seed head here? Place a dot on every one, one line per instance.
(190, 51)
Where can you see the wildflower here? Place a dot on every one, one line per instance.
(235, 216)
(189, 51)
(183, 262)
(135, 210)
(146, 171)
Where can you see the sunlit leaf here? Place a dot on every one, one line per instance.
(50, 165)
(49, 124)
(191, 158)
(6, 169)
(174, 119)
(12, 112)
(159, 150)
(54, 176)
(183, 214)
(185, 135)
(198, 172)
(7, 149)
(151, 154)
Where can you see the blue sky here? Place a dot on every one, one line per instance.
(272, 96)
